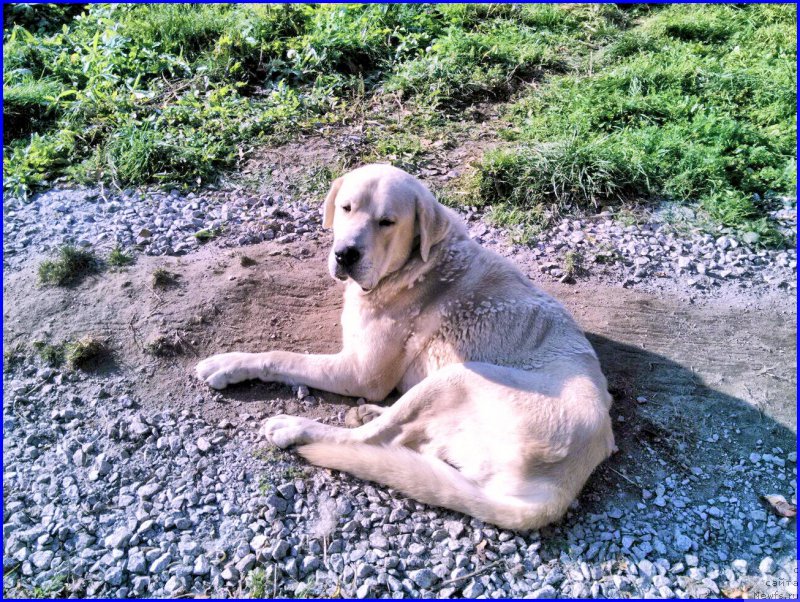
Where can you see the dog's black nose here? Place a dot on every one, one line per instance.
(348, 256)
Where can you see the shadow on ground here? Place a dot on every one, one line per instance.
(684, 448)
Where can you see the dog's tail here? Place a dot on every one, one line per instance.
(429, 480)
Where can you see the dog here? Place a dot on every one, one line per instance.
(504, 411)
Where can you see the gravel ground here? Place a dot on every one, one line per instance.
(104, 499)
(664, 252)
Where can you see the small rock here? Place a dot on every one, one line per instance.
(230, 573)
(201, 565)
(147, 491)
(287, 490)
(739, 565)
(646, 568)
(113, 576)
(102, 465)
(475, 589)
(41, 560)
(174, 585)
(160, 563)
(137, 564)
(118, 539)
(767, 566)
(683, 544)
(141, 585)
(548, 591)
(425, 578)
(280, 549)
(246, 563)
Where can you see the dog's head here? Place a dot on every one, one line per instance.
(380, 215)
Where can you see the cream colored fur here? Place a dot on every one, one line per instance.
(504, 412)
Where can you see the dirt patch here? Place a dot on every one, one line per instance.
(286, 300)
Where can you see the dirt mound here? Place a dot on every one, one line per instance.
(209, 303)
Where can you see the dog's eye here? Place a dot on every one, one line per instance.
(346, 208)
(385, 223)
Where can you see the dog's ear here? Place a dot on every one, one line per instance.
(328, 206)
(432, 221)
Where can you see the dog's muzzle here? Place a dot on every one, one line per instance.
(347, 262)
(347, 257)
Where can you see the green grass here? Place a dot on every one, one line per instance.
(573, 263)
(118, 258)
(52, 355)
(257, 580)
(53, 588)
(488, 52)
(561, 174)
(695, 103)
(175, 93)
(13, 355)
(71, 266)
(608, 103)
(84, 353)
(29, 107)
(206, 235)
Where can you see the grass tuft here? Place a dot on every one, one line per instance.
(85, 353)
(118, 258)
(71, 267)
(573, 264)
(52, 355)
(561, 175)
(161, 345)
(257, 580)
(206, 235)
(162, 278)
(13, 356)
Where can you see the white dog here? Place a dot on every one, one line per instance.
(504, 412)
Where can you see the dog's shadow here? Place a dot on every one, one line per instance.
(669, 424)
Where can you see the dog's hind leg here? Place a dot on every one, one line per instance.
(402, 423)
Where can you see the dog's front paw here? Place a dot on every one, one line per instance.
(219, 371)
(284, 431)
